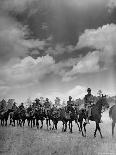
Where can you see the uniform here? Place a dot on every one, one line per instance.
(69, 104)
(88, 101)
(47, 106)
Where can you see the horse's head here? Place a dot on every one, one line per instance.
(103, 102)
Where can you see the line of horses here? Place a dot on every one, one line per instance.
(37, 116)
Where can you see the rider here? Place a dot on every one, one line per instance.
(38, 104)
(69, 104)
(29, 109)
(14, 107)
(21, 107)
(88, 101)
(47, 106)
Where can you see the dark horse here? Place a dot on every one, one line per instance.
(96, 111)
(112, 115)
(15, 116)
(67, 116)
(4, 117)
(39, 115)
(31, 118)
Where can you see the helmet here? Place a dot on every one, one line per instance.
(89, 89)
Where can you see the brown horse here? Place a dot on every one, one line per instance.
(112, 115)
(96, 111)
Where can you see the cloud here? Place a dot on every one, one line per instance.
(19, 6)
(14, 41)
(77, 92)
(103, 43)
(86, 64)
(102, 39)
(60, 49)
(111, 5)
(26, 71)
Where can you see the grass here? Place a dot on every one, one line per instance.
(27, 141)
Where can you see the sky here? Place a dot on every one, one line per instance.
(55, 48)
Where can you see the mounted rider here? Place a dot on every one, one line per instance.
(2, 105)
(29, 109)
(14, 107)
(47, 106)
(38, 104)
(88, 102)
(70, 104)
(21, 107)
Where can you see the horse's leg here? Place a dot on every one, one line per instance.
(28, 122)
(84, 125)
(14, 122)
(37, 123)
(69, 125)
(113, 125)
(56, 122)
(6, 122)
(81, 128)
(47, 123)
(34, 122)
(70, 122)
(41, 124)
(100, 131)
(65, 126)
(62, 126)
(96, 129)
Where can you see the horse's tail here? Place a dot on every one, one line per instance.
(110, 112)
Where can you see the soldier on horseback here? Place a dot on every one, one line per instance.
(29, 109)
(70, 104)
(21, 107)
(14, 107)
(47, 106)
(38, 104)
(88, 101)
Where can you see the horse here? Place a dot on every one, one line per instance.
(67, 116)
(22, 117)
(30, 118)
(4, 117)
(112, 115)
(96, 111)
(15, 116)
(39, 115)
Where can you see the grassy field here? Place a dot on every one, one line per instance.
(27, 141)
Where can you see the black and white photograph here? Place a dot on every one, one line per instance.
(57, 77)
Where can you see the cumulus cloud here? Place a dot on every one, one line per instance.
(86, 64)
(26, 71)
(13, 39)
(102, 39)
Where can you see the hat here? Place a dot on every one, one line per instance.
(70, 97)
(89, 89)
(47, 99)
